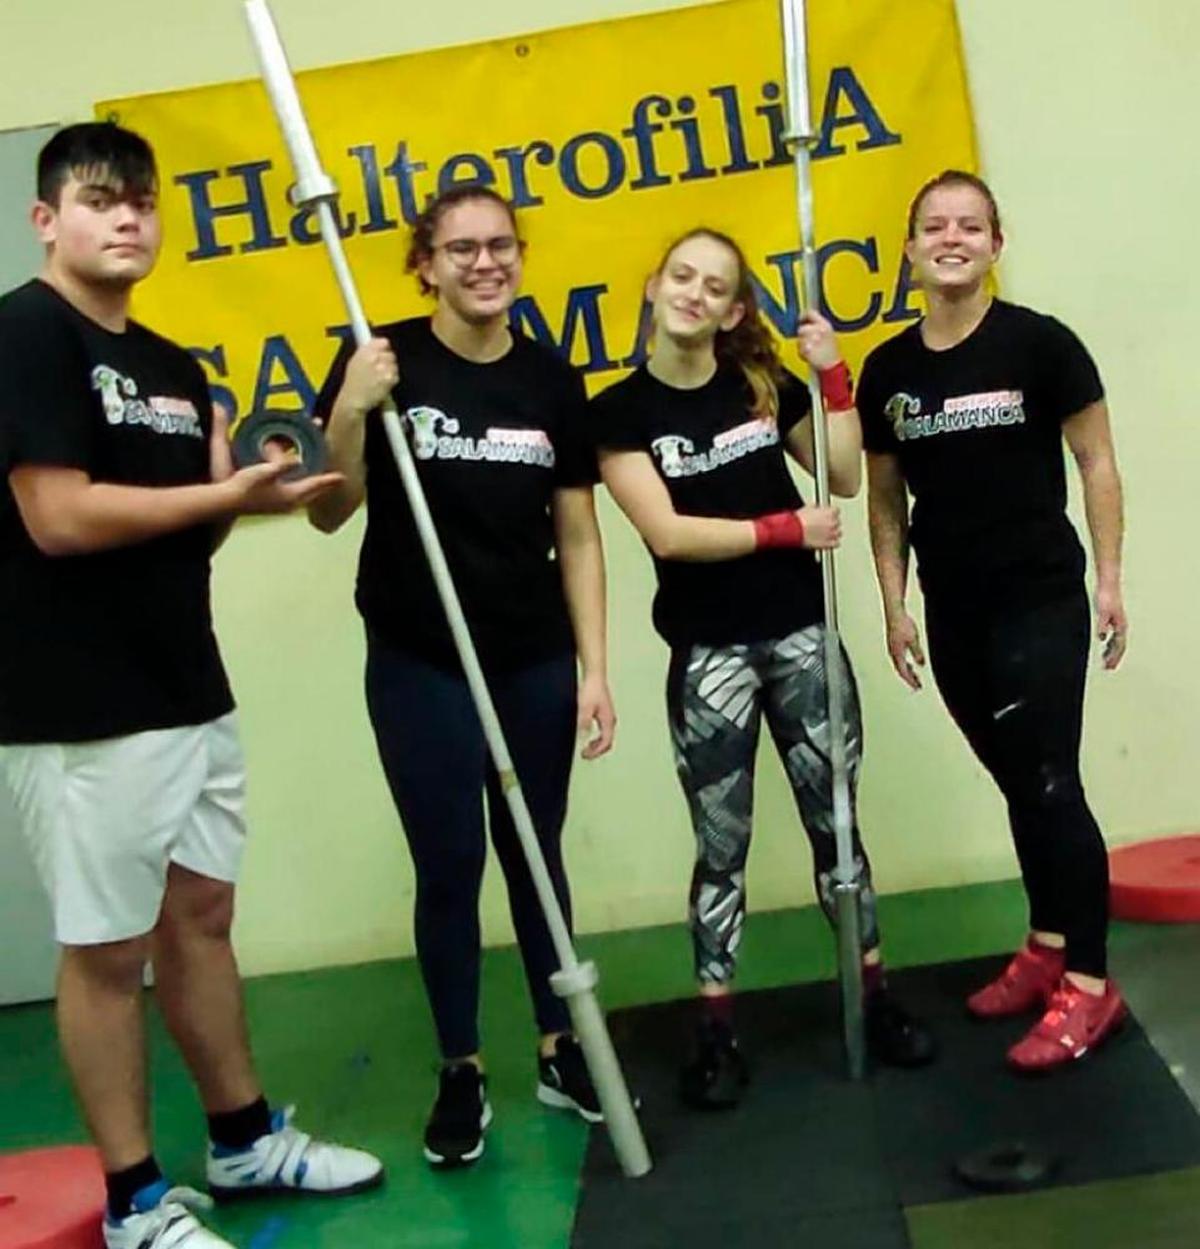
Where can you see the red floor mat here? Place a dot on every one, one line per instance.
(1157, 882)
(51, 1199)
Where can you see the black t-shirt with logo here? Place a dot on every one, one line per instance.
(718, 459)
(492, 443)
(119, 641)
(978, 432)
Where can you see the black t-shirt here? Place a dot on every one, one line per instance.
(978, 432)
(492, 443)
(119, 641)
(717, 459)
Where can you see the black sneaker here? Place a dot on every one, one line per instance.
(716, 1075)
(454, 1133)
(564, 1083)
(894, 1037)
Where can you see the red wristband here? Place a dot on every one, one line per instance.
(836, 388)
(778, 529)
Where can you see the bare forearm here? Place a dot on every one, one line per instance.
(891, 571)
(892, 574)
(844, 448)
(582, 566)
(888, 519)
(702, 539)
(639, 492)
(1105, 517)
(344, 441)
(845, 453)
(100, 516)
(830, 382)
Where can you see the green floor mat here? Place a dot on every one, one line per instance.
(1143, 1212)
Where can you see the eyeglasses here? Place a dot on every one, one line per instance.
(463, 253)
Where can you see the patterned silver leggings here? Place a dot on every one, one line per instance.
(716, 697)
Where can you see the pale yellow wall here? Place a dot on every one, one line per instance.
(1084, 108)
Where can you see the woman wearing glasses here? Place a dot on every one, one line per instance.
(495, 423)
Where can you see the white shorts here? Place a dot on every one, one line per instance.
(104, 819)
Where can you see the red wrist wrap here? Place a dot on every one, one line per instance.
(778, 529)
(836, 387)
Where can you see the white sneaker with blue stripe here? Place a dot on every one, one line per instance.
(287, 1159)
(162, 1218)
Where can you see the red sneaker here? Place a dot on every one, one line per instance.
(1027, 982)
(1074, 1023)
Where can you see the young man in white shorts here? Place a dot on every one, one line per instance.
(118, 735)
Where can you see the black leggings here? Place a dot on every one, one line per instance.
(1013, 681)
(433, 752)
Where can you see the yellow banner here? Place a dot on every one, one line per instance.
(610, 138)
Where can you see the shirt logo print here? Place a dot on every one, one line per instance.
(164, 414)
(425, 424)
(986, 410)
(436, 436)
(677, 456)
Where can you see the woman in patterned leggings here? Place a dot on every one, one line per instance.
(692, 448)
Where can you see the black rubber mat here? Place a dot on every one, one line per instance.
(810, 1158)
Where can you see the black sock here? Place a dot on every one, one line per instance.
(874, 979)
(239, 1129)
(122, 1185)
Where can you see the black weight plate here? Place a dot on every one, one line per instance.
(299, 431)
(1008, 1167)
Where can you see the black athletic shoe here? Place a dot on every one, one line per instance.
(564, 1083)
(894, 1037)
(716, 1075)
(454, 1133)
